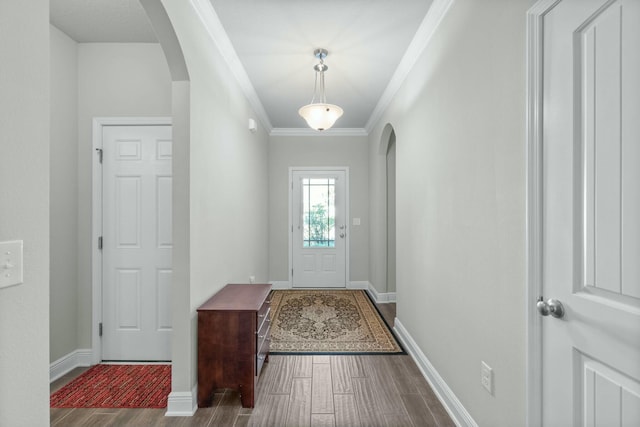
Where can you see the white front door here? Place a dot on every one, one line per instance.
(319, 228)
(591, 213)
(136, 281)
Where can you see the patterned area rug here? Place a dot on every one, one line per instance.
(117, 386)
(328, 322)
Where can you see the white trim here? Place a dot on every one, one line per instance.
(426, 30)
(96, 221)
(358, 285)
(280, 285)
(66, 364)
(347, 213)
(381, 297)
(451, 403)
(533, 150)
(377, 297)
(218, 35)
(182, 403)
(311, 132)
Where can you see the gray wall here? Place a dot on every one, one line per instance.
(24, 210)
(287, 151)
(459, 124)
(64, 195)
(226, 180)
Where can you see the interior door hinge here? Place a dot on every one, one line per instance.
(292, 272)
(100, 243)
(100, 329)
(99, 150)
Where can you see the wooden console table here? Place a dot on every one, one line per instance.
(233, 341)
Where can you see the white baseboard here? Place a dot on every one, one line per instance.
(64, 365)
(381, 297)
(358, 285)
(378, 297)
(446, 396)
(182, 403)
(276, 284)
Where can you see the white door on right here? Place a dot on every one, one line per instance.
(591, 213)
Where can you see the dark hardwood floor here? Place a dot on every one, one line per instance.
(298, 391)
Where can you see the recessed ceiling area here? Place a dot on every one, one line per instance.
(274, 41)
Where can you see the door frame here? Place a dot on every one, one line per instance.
(96, 218)
(347, 243)
(533, 236)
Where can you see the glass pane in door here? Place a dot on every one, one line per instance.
(318, 212)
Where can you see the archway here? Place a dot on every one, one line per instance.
(182, 399)
(388, 149)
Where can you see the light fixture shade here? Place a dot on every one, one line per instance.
(320, 116)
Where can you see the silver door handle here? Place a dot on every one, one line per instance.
(342, 227)
(550, 307)
(342, 235)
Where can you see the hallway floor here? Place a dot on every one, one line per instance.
(339, 391)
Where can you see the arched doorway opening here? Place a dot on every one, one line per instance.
(388, 150)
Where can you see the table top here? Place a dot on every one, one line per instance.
(238, 297)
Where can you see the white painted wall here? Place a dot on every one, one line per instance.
(114, 79)
(227, 185)
(64, 195)
(459, 124)
(287, 151)
(24, 210)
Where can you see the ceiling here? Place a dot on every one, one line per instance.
(96, 21)
(274, 41)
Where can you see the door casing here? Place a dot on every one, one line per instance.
(96, 218)
(533, 387)
(347, 215)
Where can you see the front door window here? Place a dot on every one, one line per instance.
(319, 212)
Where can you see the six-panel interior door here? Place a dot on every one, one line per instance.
(137, 244)
(591, 213)
(319, 228)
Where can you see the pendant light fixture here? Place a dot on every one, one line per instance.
(318, 114)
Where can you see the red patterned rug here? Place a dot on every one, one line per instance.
(117, 386)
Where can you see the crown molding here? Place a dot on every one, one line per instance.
(311, 132)
(427, 29)
(423, 35)
(218, 35)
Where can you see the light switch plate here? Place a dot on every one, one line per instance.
(356, 221)
(486, 377)
(11, 271)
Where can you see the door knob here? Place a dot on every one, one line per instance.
(550, 307)
(342, 235)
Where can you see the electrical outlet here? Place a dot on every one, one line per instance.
(486, 377)
(252, 279)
